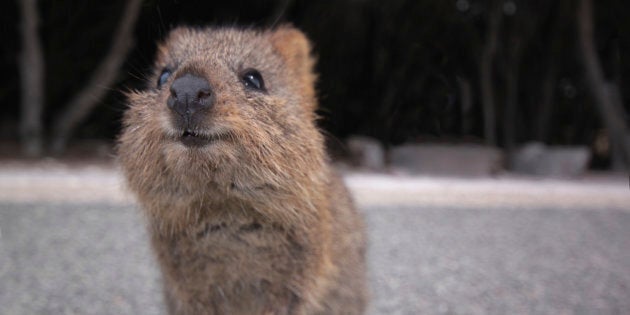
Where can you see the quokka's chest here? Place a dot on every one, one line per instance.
(243, 252)
(238, 268)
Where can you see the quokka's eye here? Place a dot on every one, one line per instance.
(253, 79)
(163, 77)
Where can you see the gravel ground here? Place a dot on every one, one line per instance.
(75, 259)
(72, 242)
(502, 261)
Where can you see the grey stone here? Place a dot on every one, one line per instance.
(450, 160)
(535, 158)
(366, 152)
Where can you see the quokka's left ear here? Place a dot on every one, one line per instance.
(295, 49)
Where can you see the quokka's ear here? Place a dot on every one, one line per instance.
(295, 49)
(174, 35)
(291, 43)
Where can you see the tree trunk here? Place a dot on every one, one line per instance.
(617, 162)
(511, 96)
(549, 82)
(487, 84)
(605, 94)
(546, 105)
(465, 91)
(98, 85)
(32, 81)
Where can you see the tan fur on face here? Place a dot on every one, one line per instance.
(254, 222)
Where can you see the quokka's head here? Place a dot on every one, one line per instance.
(240, 101)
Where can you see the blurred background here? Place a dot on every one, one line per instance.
(515, 82)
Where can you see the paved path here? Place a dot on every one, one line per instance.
(72, 242)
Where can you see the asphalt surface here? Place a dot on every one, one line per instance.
(64, 257)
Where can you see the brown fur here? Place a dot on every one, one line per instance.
(256, 222)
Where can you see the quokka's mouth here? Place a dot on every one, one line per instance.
(191, 138)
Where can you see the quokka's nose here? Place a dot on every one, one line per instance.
(190, 94)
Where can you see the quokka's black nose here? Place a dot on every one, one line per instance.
(190, 95)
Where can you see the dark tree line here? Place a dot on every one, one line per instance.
(501, 72)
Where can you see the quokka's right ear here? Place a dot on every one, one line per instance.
(162, 46)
